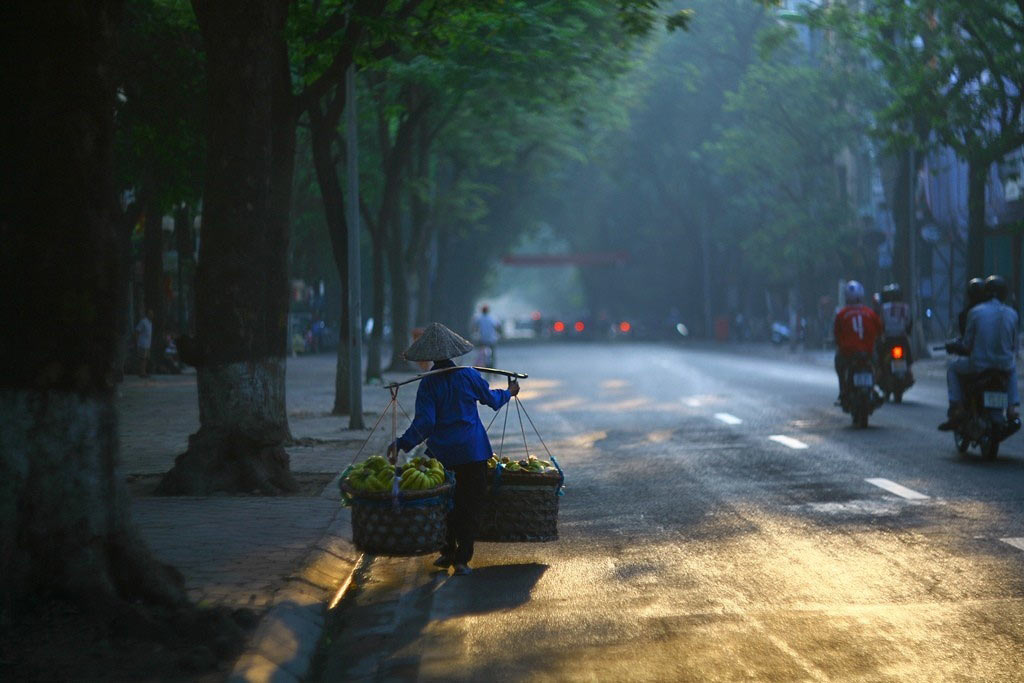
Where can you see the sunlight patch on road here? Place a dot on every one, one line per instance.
(659, 436)
(788, 441)
(532, 394)
(621, 406)
(581, 441)
(564, 404)
(893, 487)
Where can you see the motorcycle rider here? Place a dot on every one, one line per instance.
(989, 342)
(975, 295)
(855, 329)
(897, 322)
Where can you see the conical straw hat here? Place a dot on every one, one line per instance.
(437, 343)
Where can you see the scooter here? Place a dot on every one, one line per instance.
(894, 377)
(986, 424)
(860, 399)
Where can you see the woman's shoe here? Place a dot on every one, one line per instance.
(443, 562)
(462, 569)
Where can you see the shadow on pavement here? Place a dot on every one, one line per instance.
(491, 588)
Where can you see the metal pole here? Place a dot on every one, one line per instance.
(355, 313)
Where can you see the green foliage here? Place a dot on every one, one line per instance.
(160, 141)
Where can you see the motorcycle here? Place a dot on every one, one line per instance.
(894, 376)
(860, 399)
(986, 423)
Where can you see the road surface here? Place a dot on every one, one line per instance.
(722, 521)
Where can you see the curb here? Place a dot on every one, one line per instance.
(282, 648)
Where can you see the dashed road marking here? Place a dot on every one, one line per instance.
(893, 487)
(693, 402)
(788, 441)
(1017, 543)
(728, 419)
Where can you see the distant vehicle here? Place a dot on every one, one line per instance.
(860, 399)
(894, 376)
(520, 328)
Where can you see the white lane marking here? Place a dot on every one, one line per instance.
(787, 441)
(728, 419)
(693, 402)
(893, 487)
(1017, 543)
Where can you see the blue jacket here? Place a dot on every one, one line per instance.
(991, 336)
(446, 416)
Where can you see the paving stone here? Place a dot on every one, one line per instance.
(243, 551)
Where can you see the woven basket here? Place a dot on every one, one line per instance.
(521, 507)
(414, 523)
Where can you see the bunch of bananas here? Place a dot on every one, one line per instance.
(376, 475)
(422, 473)
(530, 464)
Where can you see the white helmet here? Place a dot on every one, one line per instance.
(854, 292)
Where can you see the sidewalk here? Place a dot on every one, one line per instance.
(283, 557)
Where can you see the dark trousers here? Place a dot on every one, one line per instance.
(464, 519)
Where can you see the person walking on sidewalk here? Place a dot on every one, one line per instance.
(143, 340)
(447, 418)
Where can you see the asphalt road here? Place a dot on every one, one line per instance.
(695, 547)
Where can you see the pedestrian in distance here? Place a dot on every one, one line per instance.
(486, 330)
(143, 341)
(447, 418)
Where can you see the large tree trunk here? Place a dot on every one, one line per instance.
(977, 174)
(241, 283)
(64, 522)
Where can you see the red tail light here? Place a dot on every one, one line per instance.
(897, 352)
(578, 326)
(559, 326)
(624, 326)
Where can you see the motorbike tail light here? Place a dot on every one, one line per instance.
(624, 326)
(559, 326)
(578, 326)
(897, 352)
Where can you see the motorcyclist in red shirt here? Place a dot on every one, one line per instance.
(855, 329)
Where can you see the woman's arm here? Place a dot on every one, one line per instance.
(494, 398)
(422, 424)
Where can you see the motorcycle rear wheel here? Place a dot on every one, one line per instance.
(989, 447)
(961, 441)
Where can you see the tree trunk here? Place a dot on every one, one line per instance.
(323, 127)
(64, 518)
(977, 175)
(125, 324)
(153, 281)
(902, 219)
(373, 356)
(400, 332)
(241, 282)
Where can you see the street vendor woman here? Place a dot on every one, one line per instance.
(447, 417)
